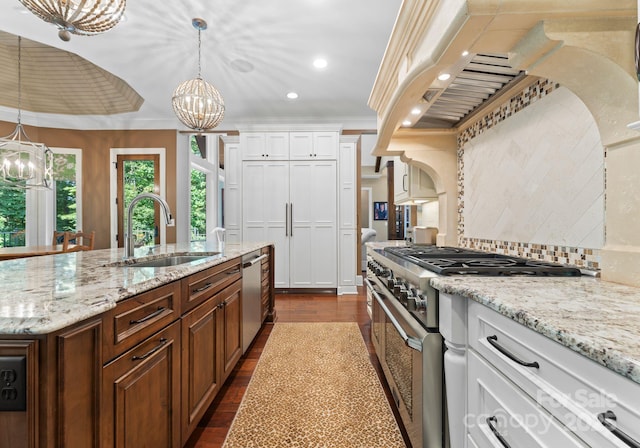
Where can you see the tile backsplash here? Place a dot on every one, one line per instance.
(531, 179)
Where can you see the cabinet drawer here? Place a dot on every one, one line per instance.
(567, 384)
(497, 409)
(200, 286)
(137, 318)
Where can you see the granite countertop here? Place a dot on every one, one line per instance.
(44, 294)
(598, 319)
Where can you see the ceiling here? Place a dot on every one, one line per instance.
(253, 51)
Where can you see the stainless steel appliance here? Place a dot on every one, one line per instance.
(251, 297)
(404, 310)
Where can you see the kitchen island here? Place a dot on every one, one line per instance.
(99, 351)
(561, 353)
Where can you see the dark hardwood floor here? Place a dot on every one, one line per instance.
(213, 427)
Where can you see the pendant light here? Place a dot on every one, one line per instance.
(82, 17)
(23, 163)
(196, 103)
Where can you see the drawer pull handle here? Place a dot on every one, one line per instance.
(163, 341)
(493, 340)
(602, 418)
(160, 310)
(490, 421)
(202, 288)
(235, 271)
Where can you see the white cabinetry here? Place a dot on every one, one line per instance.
(410, 183)
(265, 145)
(313, 217)
(321, 145)
(265, 210)
(294, 203)
(232, 216)
(347, 215)
(528, 389)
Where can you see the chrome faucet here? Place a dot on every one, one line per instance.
(128, 236)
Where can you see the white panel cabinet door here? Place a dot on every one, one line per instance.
(265, 201)
(301, 145)
(265, 145)
(313, 224)
(400, 180)
(253, 145)
(348, 184)
(325, 145)
(314, 145)
(232, 192)
(277, 145)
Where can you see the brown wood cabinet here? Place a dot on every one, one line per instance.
(141, 374)
(231, 337)
(141, 394)
(200, 363)
(211, 347)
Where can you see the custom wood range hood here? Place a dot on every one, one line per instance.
(585, 46)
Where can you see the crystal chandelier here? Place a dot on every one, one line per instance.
(24, 164)
(197, 103)
(82, 17)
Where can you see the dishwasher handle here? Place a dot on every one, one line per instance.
(248, 264)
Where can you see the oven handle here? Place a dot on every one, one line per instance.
(411, 342)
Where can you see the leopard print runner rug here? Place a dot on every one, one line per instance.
(314, 386)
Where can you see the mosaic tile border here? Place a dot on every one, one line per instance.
(587, 258)
(577, 256)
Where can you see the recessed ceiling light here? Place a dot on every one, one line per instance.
(406, 123)
(292, 95)
(320, 63)
(415, 111)
(444, 76)
(465, 53)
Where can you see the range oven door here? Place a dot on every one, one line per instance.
(411, 359)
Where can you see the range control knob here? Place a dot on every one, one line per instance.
(421, 302)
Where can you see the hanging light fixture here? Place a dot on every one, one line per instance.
(197, 103)
(82, 17)
(24, 164)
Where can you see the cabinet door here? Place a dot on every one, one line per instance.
(231, 327)
(253, 145)
(314, 145)
(265, 208)
(313, 217)
(200, 373)
(325, 145)
(348, 186)
(141, 394)
(233, 192)
(301, 145)
(400, 180)
(277, 145)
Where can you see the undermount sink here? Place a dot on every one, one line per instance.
(162, 261)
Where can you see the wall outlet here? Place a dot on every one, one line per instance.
(13, 383)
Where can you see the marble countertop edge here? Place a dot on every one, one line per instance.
(41, 295)
(596, 348)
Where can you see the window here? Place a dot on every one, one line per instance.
(28, 217)
(203, 191)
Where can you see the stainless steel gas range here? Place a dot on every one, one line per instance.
(404, 312)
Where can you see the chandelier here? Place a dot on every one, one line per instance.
(197, 103)
(82, 17)
(24, 164)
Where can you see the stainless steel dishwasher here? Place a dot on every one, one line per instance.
(251, 297)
